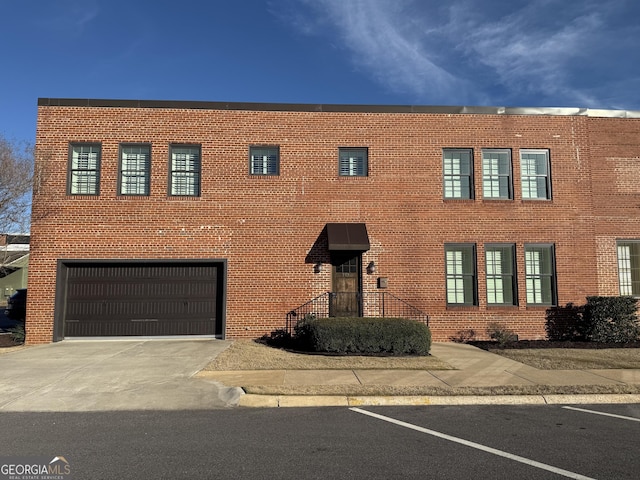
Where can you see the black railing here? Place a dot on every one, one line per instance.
(365, 304)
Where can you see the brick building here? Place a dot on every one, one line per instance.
(203, 218)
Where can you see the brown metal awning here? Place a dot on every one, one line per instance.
(348, 236)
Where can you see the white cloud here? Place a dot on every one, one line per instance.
(383, 43)
(70, 17)
(522, 52)
(525, 57)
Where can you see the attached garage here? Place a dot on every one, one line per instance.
(140, 298)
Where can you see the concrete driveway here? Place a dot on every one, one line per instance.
(97, 375)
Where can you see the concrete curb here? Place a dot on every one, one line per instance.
(275, 401)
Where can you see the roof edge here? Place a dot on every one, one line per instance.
(336, 108)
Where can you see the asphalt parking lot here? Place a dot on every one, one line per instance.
(445, 442)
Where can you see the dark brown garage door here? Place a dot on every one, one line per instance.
(121, 299)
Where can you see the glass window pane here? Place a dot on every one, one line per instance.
(540, 273)
(264, 160)
(84, 166)
(629, 267)
(134, 170)
(185, 170)
(353, 162)
(496, 174)
(457, 176)
(534, 167)
(500, 274)
(461, 274)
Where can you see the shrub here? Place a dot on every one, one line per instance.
(17, 333)
(364, 336)
(566, 323)
(464, 336)
(611, 319)
(501, 334)
(278, 338)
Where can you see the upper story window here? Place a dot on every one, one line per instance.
(84, 169)
(460, 266)
(501, 274)
(540, 274)
(135, 169)
(185, 170)
(496, 174)
(264, 160)
(353, 162)
(457, 173)
(629, 267)
(534, 168)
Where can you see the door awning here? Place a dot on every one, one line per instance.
(348, 236)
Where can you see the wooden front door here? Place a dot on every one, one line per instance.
(345, 295)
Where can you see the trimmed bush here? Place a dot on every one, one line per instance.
(611, 319)
(566, 323)
(364, 336)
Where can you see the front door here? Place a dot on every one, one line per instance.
(345, 296)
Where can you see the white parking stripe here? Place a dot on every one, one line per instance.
(604, 414)
(478, 446)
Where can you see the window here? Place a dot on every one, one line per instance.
(264, 160)
(500, 271)
(84, 174)
(629, 267)
(540, 272)
(534, 167)
(135, 163)
(353, 162)
(185, 170)
(460, 264)
(496, 174)
(458, 173)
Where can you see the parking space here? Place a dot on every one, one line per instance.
(562, 441)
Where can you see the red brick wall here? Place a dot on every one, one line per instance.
(266, 226)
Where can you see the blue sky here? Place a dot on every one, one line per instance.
(577, 53)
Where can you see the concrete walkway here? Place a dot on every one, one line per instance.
(142, 374)
(93, 375)
(473, 368)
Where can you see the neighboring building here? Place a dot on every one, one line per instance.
(14, 264)
(202, 218)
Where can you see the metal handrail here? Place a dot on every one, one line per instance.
(370, 304)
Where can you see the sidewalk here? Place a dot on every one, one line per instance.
(473, 368)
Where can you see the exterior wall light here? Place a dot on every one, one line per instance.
(317, 268)
(371, 268)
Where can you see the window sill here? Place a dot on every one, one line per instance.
(470, 308)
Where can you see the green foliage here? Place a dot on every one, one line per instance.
(501, 334)
(17, 333)
(566, 323)
(611, 319)
(602, 319)
(364, 336)
(278, 338)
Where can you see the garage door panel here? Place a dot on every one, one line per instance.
(138, 327)
(146, 299)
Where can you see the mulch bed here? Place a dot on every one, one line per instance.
(7, 341)
(538, 344)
